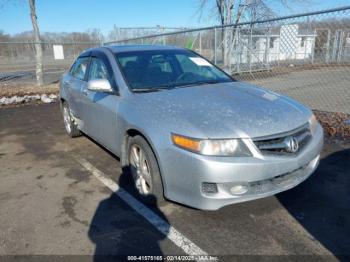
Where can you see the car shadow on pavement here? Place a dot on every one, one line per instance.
(321, 204)
(118, 231)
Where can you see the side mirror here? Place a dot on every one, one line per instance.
(99, 85)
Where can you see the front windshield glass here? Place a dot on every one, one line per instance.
(157, 69)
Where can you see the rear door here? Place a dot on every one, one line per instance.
(75, 82)
(100, 108)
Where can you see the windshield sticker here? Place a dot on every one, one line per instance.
(200, 61)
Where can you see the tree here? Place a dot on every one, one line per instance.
(38, 47)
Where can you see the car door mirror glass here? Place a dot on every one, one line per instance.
(100, 85)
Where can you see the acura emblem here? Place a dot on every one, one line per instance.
(292, 144)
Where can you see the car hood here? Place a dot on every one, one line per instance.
(225, 110)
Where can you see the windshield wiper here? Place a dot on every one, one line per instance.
(172, 86)
(199, 83)
(152, 89)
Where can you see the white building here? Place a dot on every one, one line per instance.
(289, 44)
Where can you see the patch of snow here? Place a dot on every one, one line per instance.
(45, 99)
(27, 98)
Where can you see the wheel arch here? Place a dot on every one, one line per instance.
(62, 100)
(131, 132)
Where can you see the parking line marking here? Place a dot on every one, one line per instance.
(165, 228)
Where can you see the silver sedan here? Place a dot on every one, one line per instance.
(187, 131)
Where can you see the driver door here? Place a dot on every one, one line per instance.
(100, 108)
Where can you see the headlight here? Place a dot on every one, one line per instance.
(313, 124)
(214, 147)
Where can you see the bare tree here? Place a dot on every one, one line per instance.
(235, 11)
(38, 47)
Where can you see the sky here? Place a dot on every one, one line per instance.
(81, 15)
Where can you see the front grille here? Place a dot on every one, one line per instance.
(277, 182)
(285, 144)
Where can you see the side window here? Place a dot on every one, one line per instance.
(98, 69)
(71, 70)
(79, 68)
(124, 60)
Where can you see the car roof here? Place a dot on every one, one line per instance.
(130, 48)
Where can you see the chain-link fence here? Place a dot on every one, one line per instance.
(17, 60)
(305, 56)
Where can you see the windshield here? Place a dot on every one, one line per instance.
(162, 69)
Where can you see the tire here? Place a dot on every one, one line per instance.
(71, 128)
(151, 190)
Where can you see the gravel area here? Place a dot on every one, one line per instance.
(12, 95)
(12, 89)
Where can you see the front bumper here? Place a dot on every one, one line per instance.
(185, 173)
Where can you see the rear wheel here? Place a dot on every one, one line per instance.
(145, 171)
(71, 128)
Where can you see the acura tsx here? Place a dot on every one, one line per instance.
(186, 130)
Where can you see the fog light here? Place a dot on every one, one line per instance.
(239, 189)
(209, 188)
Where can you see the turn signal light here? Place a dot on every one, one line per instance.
(186, 143)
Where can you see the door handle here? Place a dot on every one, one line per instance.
(85, 92)
(66, 82)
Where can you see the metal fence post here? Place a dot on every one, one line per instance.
(74, 56)
(238, 50)
(250, 49)
(267, 49)
(313, 47)
(341, 46)
(215, 45)
(328, 45)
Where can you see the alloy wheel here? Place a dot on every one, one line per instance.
(67, 119)
(140, 169)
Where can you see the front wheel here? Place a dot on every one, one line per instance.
(145, 171)
(71, 128)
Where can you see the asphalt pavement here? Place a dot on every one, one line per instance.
(69, 197)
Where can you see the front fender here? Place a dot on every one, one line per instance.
(148, 127)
